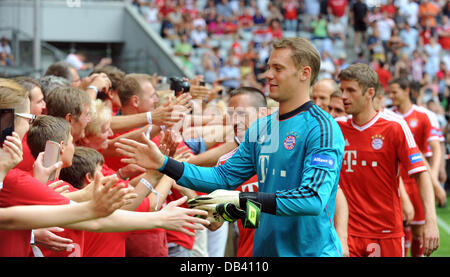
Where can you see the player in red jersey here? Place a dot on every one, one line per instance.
(375, 144)
(426, 136)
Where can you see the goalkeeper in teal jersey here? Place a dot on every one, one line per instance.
(296, 153)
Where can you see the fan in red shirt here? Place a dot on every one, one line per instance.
(376, 143)
(337, 7)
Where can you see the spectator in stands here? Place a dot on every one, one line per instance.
(384, 74)
(167, 28)
(199, 36)
(428, 11)
(231, 25)
(389, 8)
(338, 9)
(217, 26)
(385, 26)
(375, 45)
(275, 30)
(417, 66)
(358, 19)
(290, 11)
(274, 14)
(319, 27)
(311, 11)
(336, 30)
(183, 50)
(409, 37)
(258, 18)
(245, 20)
(410, 12)
(6, 56)
(230, 74)
(78, 60)
(224, 8)
(433, 50)
(443, 32)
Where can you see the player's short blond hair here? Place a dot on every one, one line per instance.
(303, 54)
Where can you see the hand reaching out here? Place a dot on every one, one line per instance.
(106, 198)
(178, 219)
(145, 155)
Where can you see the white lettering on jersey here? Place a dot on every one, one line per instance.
(263, 162)
(348, 160)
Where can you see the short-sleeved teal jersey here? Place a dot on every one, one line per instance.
(297, 156)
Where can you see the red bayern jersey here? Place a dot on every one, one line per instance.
(369, 174)
(423, 125)
(246, 235)
(20, 188)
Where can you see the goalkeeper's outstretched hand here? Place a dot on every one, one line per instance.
(222, 212)
(219, 196)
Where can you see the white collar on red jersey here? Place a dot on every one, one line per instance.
(368, 124)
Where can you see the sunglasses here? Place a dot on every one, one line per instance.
(30, 117)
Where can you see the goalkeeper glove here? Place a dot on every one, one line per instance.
(219, 196)
(225, 205)
(222, 212)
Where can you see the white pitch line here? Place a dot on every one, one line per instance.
(443, 224)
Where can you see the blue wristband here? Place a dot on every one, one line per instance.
(164, 165)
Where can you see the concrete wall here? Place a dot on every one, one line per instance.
(91, 22)
(94, 22)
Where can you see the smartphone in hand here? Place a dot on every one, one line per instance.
(51, 156)
(6, 124)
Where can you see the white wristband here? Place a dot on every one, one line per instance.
(1, 185)
(93, 87)
(149, 117)
(150, 187)
(147, 133)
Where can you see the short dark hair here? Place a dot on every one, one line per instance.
(44, 128)
(258, 97)
(85, 160)
(60, 69)
(402, 82)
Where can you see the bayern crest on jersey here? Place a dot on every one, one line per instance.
(377, 142)
(289, 142)
(413, 123)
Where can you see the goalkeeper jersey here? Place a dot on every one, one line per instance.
(297, 157)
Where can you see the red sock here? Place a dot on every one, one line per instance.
(408, 240)
(416, 249)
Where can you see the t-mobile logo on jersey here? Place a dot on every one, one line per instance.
(350, 159)
(263, 162)
(264, 165)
